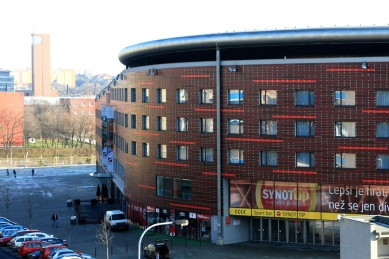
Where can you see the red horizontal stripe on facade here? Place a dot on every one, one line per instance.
(196, 76)
(157, 107)
(257, 140)
(341, 69)
(189, 206)
(205, 110)
(294, 172)
(182, 142)
(173, 164)
(146, 83)
(376, 111)
(363, 148)
(229, 110)
(214, 173)
(293, 117)
(146, 186)
(375, 181)
(147, 134)
(132, 164)
(284, 81)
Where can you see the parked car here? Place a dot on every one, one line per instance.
(18, 241)
(4, 240)
(9, 232)
(3, 224)
(38, 234)
(2, 219)
(34, 255)
(55, 241)
(31, 246)
(160, 247)
(11, 227)
(47, 250)
(59, 253)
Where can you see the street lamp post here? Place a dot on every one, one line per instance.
(182, 222)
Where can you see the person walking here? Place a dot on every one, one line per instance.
(14, 173)
(7, 172)
(54, 218)
(32, 172)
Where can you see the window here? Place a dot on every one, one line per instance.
(345, 129)
(133, 95)
(174, 187)
(268, 97)
(268, 128)
(133, 121)
(126, 147)
(344, 98)
(133, 147)
(305, 98)
(126, 120)
(145, 149)
(235, 156)
(383, 161)
(206, 125)
(343, 160)
(182, 125)
(90, 112)
(83, 104)
(305, 159)
(82, 112)
(161, 123)
(382, 130)
(90, 104)
(382, 98)
(235, 96)
(161, 95)
(182, 96)
(206, 154)
(235, 126)
(162, 151)
(125, 94)
(182, 153)
(145, 95)
(206, 96)
(75, 113)
(75, 104)
(145, 122)
(305, 128)
(269, 158)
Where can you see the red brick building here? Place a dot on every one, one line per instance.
(11, 119)
(265, 136)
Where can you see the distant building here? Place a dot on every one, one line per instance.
(11, 119)
(41, 74)
(66, 77)
(22, 79)
(79, 105)
(6, 81)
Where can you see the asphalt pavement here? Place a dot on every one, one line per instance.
(36, 198)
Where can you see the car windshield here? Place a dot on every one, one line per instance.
(118, 216)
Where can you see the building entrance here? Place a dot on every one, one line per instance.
(278, 230)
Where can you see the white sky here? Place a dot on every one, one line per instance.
(88, 34)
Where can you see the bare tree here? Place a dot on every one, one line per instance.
(29, 209)
(104, 236)
(11, 121)
(7, 200)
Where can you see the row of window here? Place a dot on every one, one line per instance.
(266, 97)
(266, 158)
(83, 112)
(83, 104)
(266, 127)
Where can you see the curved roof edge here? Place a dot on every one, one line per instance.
(256, 38)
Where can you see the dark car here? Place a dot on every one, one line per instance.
(55, 241)
(159, 247)
(34, 255)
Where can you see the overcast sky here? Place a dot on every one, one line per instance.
(88, 34)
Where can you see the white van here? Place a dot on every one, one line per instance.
(116, 220)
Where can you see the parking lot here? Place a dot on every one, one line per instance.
(50, 188)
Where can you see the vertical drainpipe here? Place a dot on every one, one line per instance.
(219, 240)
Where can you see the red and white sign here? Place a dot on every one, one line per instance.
(150, 209)
(203, 216)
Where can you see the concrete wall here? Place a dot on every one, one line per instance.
(355, 240)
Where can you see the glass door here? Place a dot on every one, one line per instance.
(278, 230)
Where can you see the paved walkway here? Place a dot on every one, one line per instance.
(49, 189)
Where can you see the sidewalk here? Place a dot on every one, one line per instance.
(50, 188)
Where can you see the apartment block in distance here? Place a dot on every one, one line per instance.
(66, 77)
(41, 72)
(261, 136)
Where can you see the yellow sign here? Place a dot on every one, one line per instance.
(240, 212)
(308, 215)
(286, 214)
(262, 213)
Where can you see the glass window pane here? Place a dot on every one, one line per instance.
(382, 130)
(382, 98)
(383, 161)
